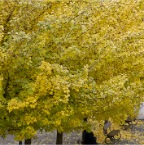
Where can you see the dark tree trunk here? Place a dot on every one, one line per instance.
(28, 142)
(88, 137)
(59, 138)
(20, 142)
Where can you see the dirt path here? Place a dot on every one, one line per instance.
(45, 138)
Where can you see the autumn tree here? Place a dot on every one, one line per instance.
(63, 61)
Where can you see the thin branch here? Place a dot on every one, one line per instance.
(6, 87)
(6, 26)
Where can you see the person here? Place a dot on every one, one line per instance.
(88, 138)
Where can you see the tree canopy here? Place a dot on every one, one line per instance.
(62, 61)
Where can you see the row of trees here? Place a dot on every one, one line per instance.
(61, 62)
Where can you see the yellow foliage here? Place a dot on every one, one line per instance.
(63, 61)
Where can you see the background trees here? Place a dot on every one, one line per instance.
(65, 61)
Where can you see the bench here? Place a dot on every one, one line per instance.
(111, 135)
(129, 123)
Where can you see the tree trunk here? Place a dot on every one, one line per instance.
(59, 138)
(88, 137)
(20, 142)
(28, 142)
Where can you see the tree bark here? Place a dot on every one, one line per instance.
(88, 137)
(28, 142)
(59, 138)
(20, 142)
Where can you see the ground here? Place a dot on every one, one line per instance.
(44, 138)
(129, 136)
